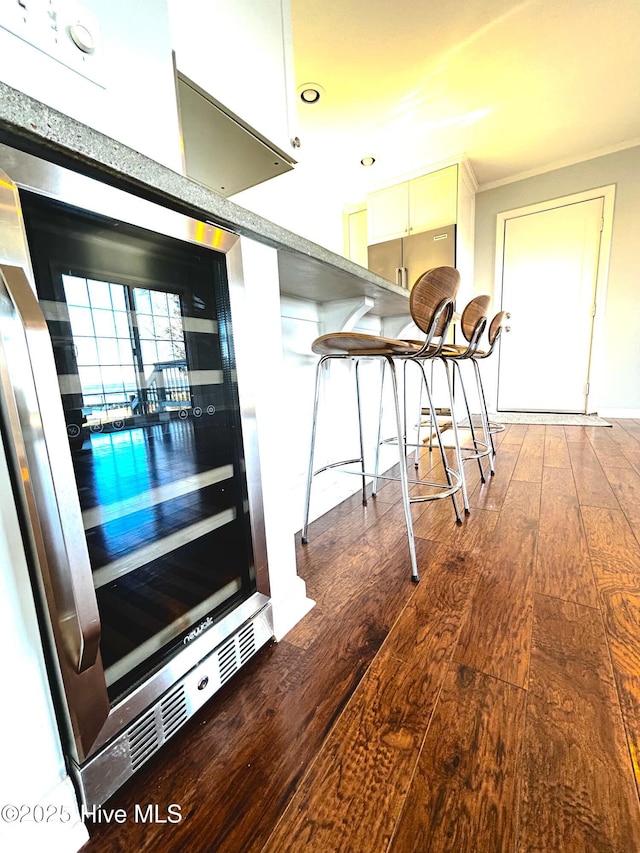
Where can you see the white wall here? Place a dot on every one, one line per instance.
(33, 771)
(302, 201)
(620, 362)
(136, 103)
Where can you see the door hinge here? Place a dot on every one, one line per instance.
(587, 387)
(593, 310)
(602, 224)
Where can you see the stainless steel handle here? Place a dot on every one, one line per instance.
(48, 484)
(401, 276)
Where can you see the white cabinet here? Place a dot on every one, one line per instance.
(421, 204)
(388, 213)
(433, 200)
(134, 104)
(240, 53)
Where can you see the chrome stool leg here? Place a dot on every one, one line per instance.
(438, 433)
(314, 425)
(404, 482)
(324, 361)
(374, 487)
(483, 403)
(489, 443)
(360, 434)
(456, 437)
(477, 443)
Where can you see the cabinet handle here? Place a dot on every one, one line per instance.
(401, 276)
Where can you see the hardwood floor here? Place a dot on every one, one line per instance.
(492, 708)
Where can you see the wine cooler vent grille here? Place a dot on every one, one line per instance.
(157, 726)
(235, 652)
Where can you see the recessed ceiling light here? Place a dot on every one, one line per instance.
(310, 93)
(310, 96)
(368, 161)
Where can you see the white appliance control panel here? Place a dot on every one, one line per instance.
(62, 29)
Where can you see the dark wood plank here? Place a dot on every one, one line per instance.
(563, 565)
(530, 461)
(621, 613)
(578, 791)
(514, 433)
(625, 484)
(614, 550)
(437, 524)
(591, 484)
(634, 459)
(556, 453)
(491, 495)
(616, 560)
(496, 635)
(629, 425)
(609, 454)
(626, 434)
(370, 755)
(335, 567)
(453, 802)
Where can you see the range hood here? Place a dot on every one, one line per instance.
(221, 151)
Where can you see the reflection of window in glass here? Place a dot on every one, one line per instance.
(130, 349)
(159, 326)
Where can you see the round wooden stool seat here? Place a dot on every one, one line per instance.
(356, 343)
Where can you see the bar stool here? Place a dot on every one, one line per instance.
(431, 304)
(495, 330)
(472, 324)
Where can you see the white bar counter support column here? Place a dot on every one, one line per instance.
(260, 362)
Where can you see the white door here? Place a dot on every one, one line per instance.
(549, 282)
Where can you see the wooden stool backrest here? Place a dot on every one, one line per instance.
(475, 312)
(430, 291)
(495, 328)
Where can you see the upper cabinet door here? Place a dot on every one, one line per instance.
(240, 53)
(433, 200)
(388, 213)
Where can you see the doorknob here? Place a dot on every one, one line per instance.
(507, 328)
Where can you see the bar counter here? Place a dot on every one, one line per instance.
(307, 270)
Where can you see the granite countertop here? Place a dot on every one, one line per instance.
(306, 269)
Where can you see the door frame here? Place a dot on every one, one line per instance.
(595, 377)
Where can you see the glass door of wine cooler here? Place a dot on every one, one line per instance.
(141, 339)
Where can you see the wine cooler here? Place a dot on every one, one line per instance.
(133, 454)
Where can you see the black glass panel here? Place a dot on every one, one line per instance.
(141, 333)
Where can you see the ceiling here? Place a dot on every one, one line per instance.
(517, 87)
